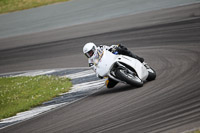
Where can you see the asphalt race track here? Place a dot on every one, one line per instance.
(170, 43)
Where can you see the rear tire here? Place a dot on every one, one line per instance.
(152, 75)
(123, 75)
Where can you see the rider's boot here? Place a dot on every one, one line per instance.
(110, 83)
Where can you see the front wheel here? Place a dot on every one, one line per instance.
(129, 78)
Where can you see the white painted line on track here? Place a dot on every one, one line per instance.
(36, 73)
(71, 76)
(30, 113)
(87, 86)
(80, 74)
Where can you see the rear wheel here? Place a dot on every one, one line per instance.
(152, 74)
(129, 78)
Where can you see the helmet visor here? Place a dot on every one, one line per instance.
(90, 53)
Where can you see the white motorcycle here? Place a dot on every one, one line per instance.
(123, 68)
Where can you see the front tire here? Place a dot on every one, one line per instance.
(131, 79)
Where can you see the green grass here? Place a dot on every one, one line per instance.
(16, 5)
(196, 131)
(19, 94)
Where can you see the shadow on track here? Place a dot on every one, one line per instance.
(116, 89)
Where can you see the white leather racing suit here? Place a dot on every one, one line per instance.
(93, 60)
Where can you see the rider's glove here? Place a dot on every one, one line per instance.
(91, 64)
(119, 45)
(111, 50)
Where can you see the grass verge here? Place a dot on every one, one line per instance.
(16, 5)
(19, 94)
(194, 131)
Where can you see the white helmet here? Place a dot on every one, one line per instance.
(89, 49)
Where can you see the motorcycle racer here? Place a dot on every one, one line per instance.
(93, 53)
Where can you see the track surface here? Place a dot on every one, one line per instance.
(171, 103)
(76, 12)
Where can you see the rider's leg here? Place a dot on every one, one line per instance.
(124, 51)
